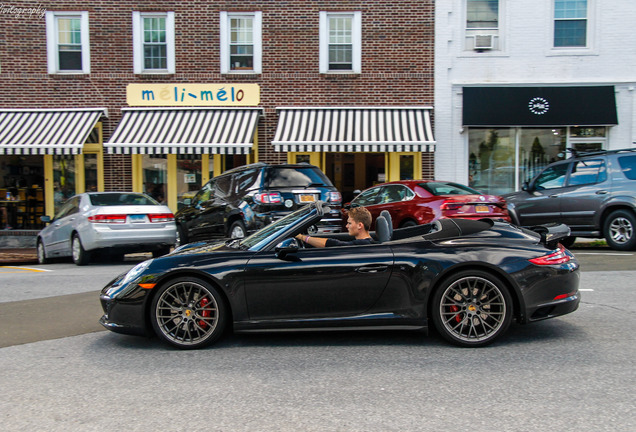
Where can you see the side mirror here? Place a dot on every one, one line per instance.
(525, 187)
(45, 219)
(286, 247)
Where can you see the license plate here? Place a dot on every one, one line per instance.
(137, 218)
(307, 198)
(482, 209)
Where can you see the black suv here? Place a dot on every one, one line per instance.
(592, 192)
(247, 198)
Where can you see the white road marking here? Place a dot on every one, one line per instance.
(586, 289)
(603, 253)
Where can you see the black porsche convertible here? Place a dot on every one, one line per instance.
(468, 278)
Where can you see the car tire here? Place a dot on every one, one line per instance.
(182, 236)
(620, 230)
(237, 230)
(165, 250)
(408, 223)
(472, 308)
(79, 255)
(41, 252)
(188, 313)
(568, 242)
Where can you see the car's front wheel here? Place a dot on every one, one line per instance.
(79, 255)
(42, 259)
(188, 313)
(619, 230)
(237, 230)
(472, 308)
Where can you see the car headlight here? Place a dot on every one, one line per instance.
(135, 272)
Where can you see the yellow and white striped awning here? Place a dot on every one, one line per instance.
(354, 129)
(185, 131)
(46, 131)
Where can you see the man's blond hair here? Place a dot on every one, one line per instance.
(361, 215)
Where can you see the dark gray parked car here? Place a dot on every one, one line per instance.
(593, 192)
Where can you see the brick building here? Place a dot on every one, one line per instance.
(158, 96)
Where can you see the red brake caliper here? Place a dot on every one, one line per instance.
(455, 308)
(206, 313)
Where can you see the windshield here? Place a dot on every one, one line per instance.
(263, 236)
(115, 199)
(297, 177)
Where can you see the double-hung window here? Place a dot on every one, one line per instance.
(241, 45)
(153, 42)
(570, 23)
(68, 48)
(341, 42)
(482, 24)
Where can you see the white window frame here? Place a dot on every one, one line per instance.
(138, 48)
(52, 42)
(497, 33)
(257, 34)
(589, 47)
(356, 54)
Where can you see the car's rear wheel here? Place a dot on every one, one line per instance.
(620, 230)
(408, 223)
(188, 313)
(237, 230)
(42, 259)
(165, 250)
(79, 255)
(472, 308)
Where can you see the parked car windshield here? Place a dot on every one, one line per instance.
(297, 177)
(114, 199)
(443, 188)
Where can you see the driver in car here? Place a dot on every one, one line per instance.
(358, 225)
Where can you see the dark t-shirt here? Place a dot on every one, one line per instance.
(335, 242)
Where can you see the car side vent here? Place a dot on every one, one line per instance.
(483, 42)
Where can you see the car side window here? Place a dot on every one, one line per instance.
(628, 166)
(223, 185)
(367, 197)
(393, 193)
(204, 194)
(245, 181)
(552, 177)
(587, 172)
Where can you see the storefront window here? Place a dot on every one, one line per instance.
(406, 167)
(63, 179)
(537, 149)
(491, 160)
(90, 173)
(188, 177)
(155, 174)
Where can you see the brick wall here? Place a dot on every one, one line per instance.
(397, 60)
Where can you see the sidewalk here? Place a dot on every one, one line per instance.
(18, 256)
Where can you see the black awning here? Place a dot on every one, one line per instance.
(539, 106)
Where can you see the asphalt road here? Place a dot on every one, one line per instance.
(573, 373)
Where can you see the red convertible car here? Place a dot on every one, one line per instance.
(417, 202)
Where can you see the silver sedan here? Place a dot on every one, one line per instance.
(117, 222)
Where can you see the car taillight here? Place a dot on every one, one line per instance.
(161, 217)
(451, 205)
(335, 197)
(558, 256)
(108, 218)
(268, 198)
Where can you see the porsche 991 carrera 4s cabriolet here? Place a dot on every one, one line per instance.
(467, 278)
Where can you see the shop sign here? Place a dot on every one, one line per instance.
(193, 94)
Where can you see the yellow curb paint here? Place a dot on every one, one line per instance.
(24, 269)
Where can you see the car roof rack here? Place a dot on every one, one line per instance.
(579, 153)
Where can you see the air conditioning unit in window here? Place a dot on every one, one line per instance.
(483, 42)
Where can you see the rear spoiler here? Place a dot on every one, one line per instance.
(552, 233)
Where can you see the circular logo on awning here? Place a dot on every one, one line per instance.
(538, 105)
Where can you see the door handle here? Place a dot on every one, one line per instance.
(373, 268)
(602, 192)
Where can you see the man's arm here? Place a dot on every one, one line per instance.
(312, 241)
